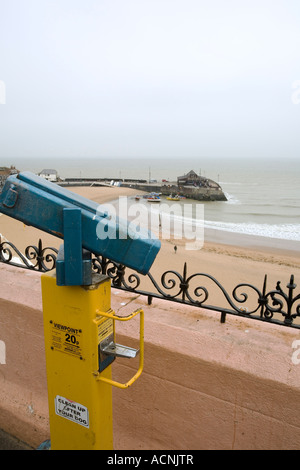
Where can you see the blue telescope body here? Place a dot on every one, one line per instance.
(64, 214)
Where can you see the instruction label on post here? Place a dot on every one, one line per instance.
(105, 328)
(66, 339)
(72, 411)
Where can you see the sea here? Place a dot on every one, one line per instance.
(263, 195)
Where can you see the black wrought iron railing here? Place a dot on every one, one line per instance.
(273, 306)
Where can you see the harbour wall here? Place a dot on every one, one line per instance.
(190, 192)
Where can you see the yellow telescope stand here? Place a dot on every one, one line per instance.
(79, 328)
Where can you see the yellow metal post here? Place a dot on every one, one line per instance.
(80, 405)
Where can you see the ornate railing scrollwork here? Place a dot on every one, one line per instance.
(36, 258)
(275, 306)
(283, 303)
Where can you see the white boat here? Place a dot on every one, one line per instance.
(153, 199)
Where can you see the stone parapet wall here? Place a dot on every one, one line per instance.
(205, 385)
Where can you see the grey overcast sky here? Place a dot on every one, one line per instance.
(142, 78)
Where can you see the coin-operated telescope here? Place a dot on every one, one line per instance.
(64, 214)
(79, 324)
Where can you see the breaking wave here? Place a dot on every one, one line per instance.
(282, 231)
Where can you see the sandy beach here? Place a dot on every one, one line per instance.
(238, 260)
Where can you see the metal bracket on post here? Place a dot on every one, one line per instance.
(109, 349)
(73, 264)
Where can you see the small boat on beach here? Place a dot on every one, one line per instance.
(153, 199)
(174, 198)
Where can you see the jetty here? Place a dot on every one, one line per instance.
(190, 186)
